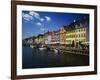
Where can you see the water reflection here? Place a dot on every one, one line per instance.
(43, 58)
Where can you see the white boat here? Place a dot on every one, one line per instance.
(42, 48)
(55, 50)
(31, 46)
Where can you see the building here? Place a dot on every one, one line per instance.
(48, 38)
(57, 37)
(36, 40)
(73, 34)
(82, 32)
(62, 35)
(40, 39)
(77, 32)
(53, 37)
(30, 41)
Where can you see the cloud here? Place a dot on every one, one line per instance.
(26, 17)
(36, 15)
(47, 18)
(32, 15)
(42, 19)
(43, 29)
(38, 24)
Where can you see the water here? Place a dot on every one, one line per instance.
(35, 58)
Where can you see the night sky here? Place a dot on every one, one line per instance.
(36, 22)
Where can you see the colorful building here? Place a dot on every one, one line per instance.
(82, 32)
(39, 39)
(72, 34)
(48, 38)
(77, 32)
(57, 37)
(53, 37)
(62, 35)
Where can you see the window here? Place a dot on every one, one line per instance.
(84, 35)
(79, 35)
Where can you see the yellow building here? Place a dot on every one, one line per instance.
(82, 35)
(76, 33)
(70, 36)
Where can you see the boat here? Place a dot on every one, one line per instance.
(42, 47)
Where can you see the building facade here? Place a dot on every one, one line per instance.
(62, 35)
(57, 36)
(77, 32)
(53, 37)
(73, 34)
(48, 38)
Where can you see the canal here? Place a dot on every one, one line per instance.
(36, 58)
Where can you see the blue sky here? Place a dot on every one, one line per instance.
(36, 22)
